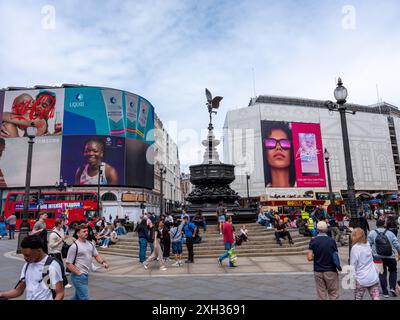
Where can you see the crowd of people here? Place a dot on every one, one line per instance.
(51, 255)
(373, 258)
(373, 255)
(164, 233)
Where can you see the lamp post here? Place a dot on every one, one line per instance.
(247, 183)
(331, 195)
(25, 227)
(98, 190)
(163, 170)
(340, 94)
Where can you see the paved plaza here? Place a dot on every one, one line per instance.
(274, 278)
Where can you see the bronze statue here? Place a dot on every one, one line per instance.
(212, 103)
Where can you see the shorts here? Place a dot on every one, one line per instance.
(221, 218)
(177, 247)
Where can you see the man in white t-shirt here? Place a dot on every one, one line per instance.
(79, 262)
(37, 287)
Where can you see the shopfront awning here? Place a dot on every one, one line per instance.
(364, 195)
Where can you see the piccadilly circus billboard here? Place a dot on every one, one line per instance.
(292, 154)
(84, 135)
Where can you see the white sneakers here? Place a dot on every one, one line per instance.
(145, 265)
(163, 268)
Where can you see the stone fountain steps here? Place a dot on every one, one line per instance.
(261, 243)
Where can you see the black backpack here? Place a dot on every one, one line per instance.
(65, 247)
(45, 274)
(382, 244)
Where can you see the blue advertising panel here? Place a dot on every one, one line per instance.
(145, 123)
(84, 112)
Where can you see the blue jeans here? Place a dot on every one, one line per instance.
(81, 284)
(142, 249)
(11, 229)
(105, 241)
(228, 246)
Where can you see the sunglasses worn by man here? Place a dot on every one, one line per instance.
(271, 143)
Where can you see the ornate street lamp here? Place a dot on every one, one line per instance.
(331, 195)
(24, 228)
(340, 94)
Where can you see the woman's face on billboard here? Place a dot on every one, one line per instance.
(93, 153)
(278, 148)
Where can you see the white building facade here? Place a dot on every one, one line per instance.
(373, 135)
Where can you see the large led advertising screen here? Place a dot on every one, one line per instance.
(292, 154)
(80, 130)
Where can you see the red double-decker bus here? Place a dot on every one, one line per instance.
(73, 205)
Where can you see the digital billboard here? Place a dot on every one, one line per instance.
(45, 161)
(81, 156)
(78, 129)
(109, 112)
(292, 154)
(309, 162)
(42, 108)
(140, 157)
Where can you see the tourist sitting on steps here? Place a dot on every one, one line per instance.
(281, 232)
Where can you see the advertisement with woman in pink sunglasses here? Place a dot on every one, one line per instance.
(292, 154)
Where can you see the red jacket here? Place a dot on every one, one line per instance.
(228, 233)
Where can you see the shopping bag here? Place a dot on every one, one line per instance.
(379, 266)
(232, 256)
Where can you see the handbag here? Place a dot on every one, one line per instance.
(379, 266)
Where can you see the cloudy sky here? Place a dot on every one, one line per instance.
(169, 51)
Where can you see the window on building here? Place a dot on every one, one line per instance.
(109, 196)
(366, 164)
(384, 173)
(335, 167)
(354, 167)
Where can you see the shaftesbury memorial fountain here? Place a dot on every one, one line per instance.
(211, 179)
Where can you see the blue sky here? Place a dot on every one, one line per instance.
(170, 50)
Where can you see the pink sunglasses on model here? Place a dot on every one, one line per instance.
(270, 143)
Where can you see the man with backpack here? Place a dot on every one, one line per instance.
(384, 246)
(79, 262)
(41, 276)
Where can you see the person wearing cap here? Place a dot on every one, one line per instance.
(322, 249)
